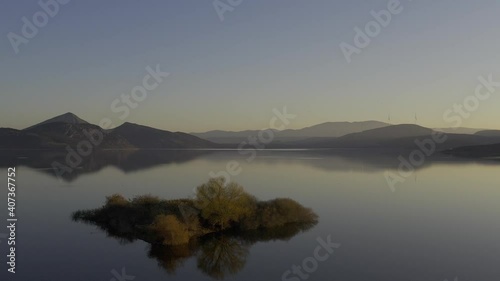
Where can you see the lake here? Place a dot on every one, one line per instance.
(441, 223)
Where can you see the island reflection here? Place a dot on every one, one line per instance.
(218, 255)
(217, 227)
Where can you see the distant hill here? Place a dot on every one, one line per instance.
(392, 137)
(459, 130)
(489, 133)
(228, 137)
(477, 151)
(369, 138)
(146, 137)
(328, 129)
(391, 132)
(69, 129)
(333, 129)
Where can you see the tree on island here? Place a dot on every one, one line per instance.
(223, 203)
(217, 208)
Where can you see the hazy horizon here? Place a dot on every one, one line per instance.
(244, 129)
(230, 74)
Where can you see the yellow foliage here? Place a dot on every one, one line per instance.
(170, 230)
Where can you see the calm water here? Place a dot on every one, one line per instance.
(442, 223)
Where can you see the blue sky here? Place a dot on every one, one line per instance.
(265, 54)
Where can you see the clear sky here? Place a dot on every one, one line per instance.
(265, 54)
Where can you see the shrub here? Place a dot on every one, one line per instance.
(291, 211)
(278, 212)
(189, 217)
(116, 200)
(147, 200)
(170, 230)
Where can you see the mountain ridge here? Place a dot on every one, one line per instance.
(326, 129)
(145, 137)
(70, 130)
(401, 136)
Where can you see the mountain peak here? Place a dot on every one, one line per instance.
(130, 125)
(394, 131)
(67, 117)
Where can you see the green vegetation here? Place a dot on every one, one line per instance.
(217, 208)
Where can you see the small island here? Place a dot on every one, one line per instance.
(218, 207)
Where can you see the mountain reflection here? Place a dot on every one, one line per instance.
(125, 160)
(356, 160)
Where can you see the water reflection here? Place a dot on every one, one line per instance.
(221, 255)
(442, 227)
(125, 160)
(359, 160)
(217, 255)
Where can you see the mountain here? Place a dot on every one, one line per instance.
(368, 138)
(391, 132)
(328, 129)
(60, 134)
(16, 139)
(476, 151)
(479, 151)
(146, 137)
(489, 133)
(68, 118)
(70, 130)
(398, 137)
(459, 130)
(228, 137)
(333, 129)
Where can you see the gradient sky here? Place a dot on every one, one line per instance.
(265, 54)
